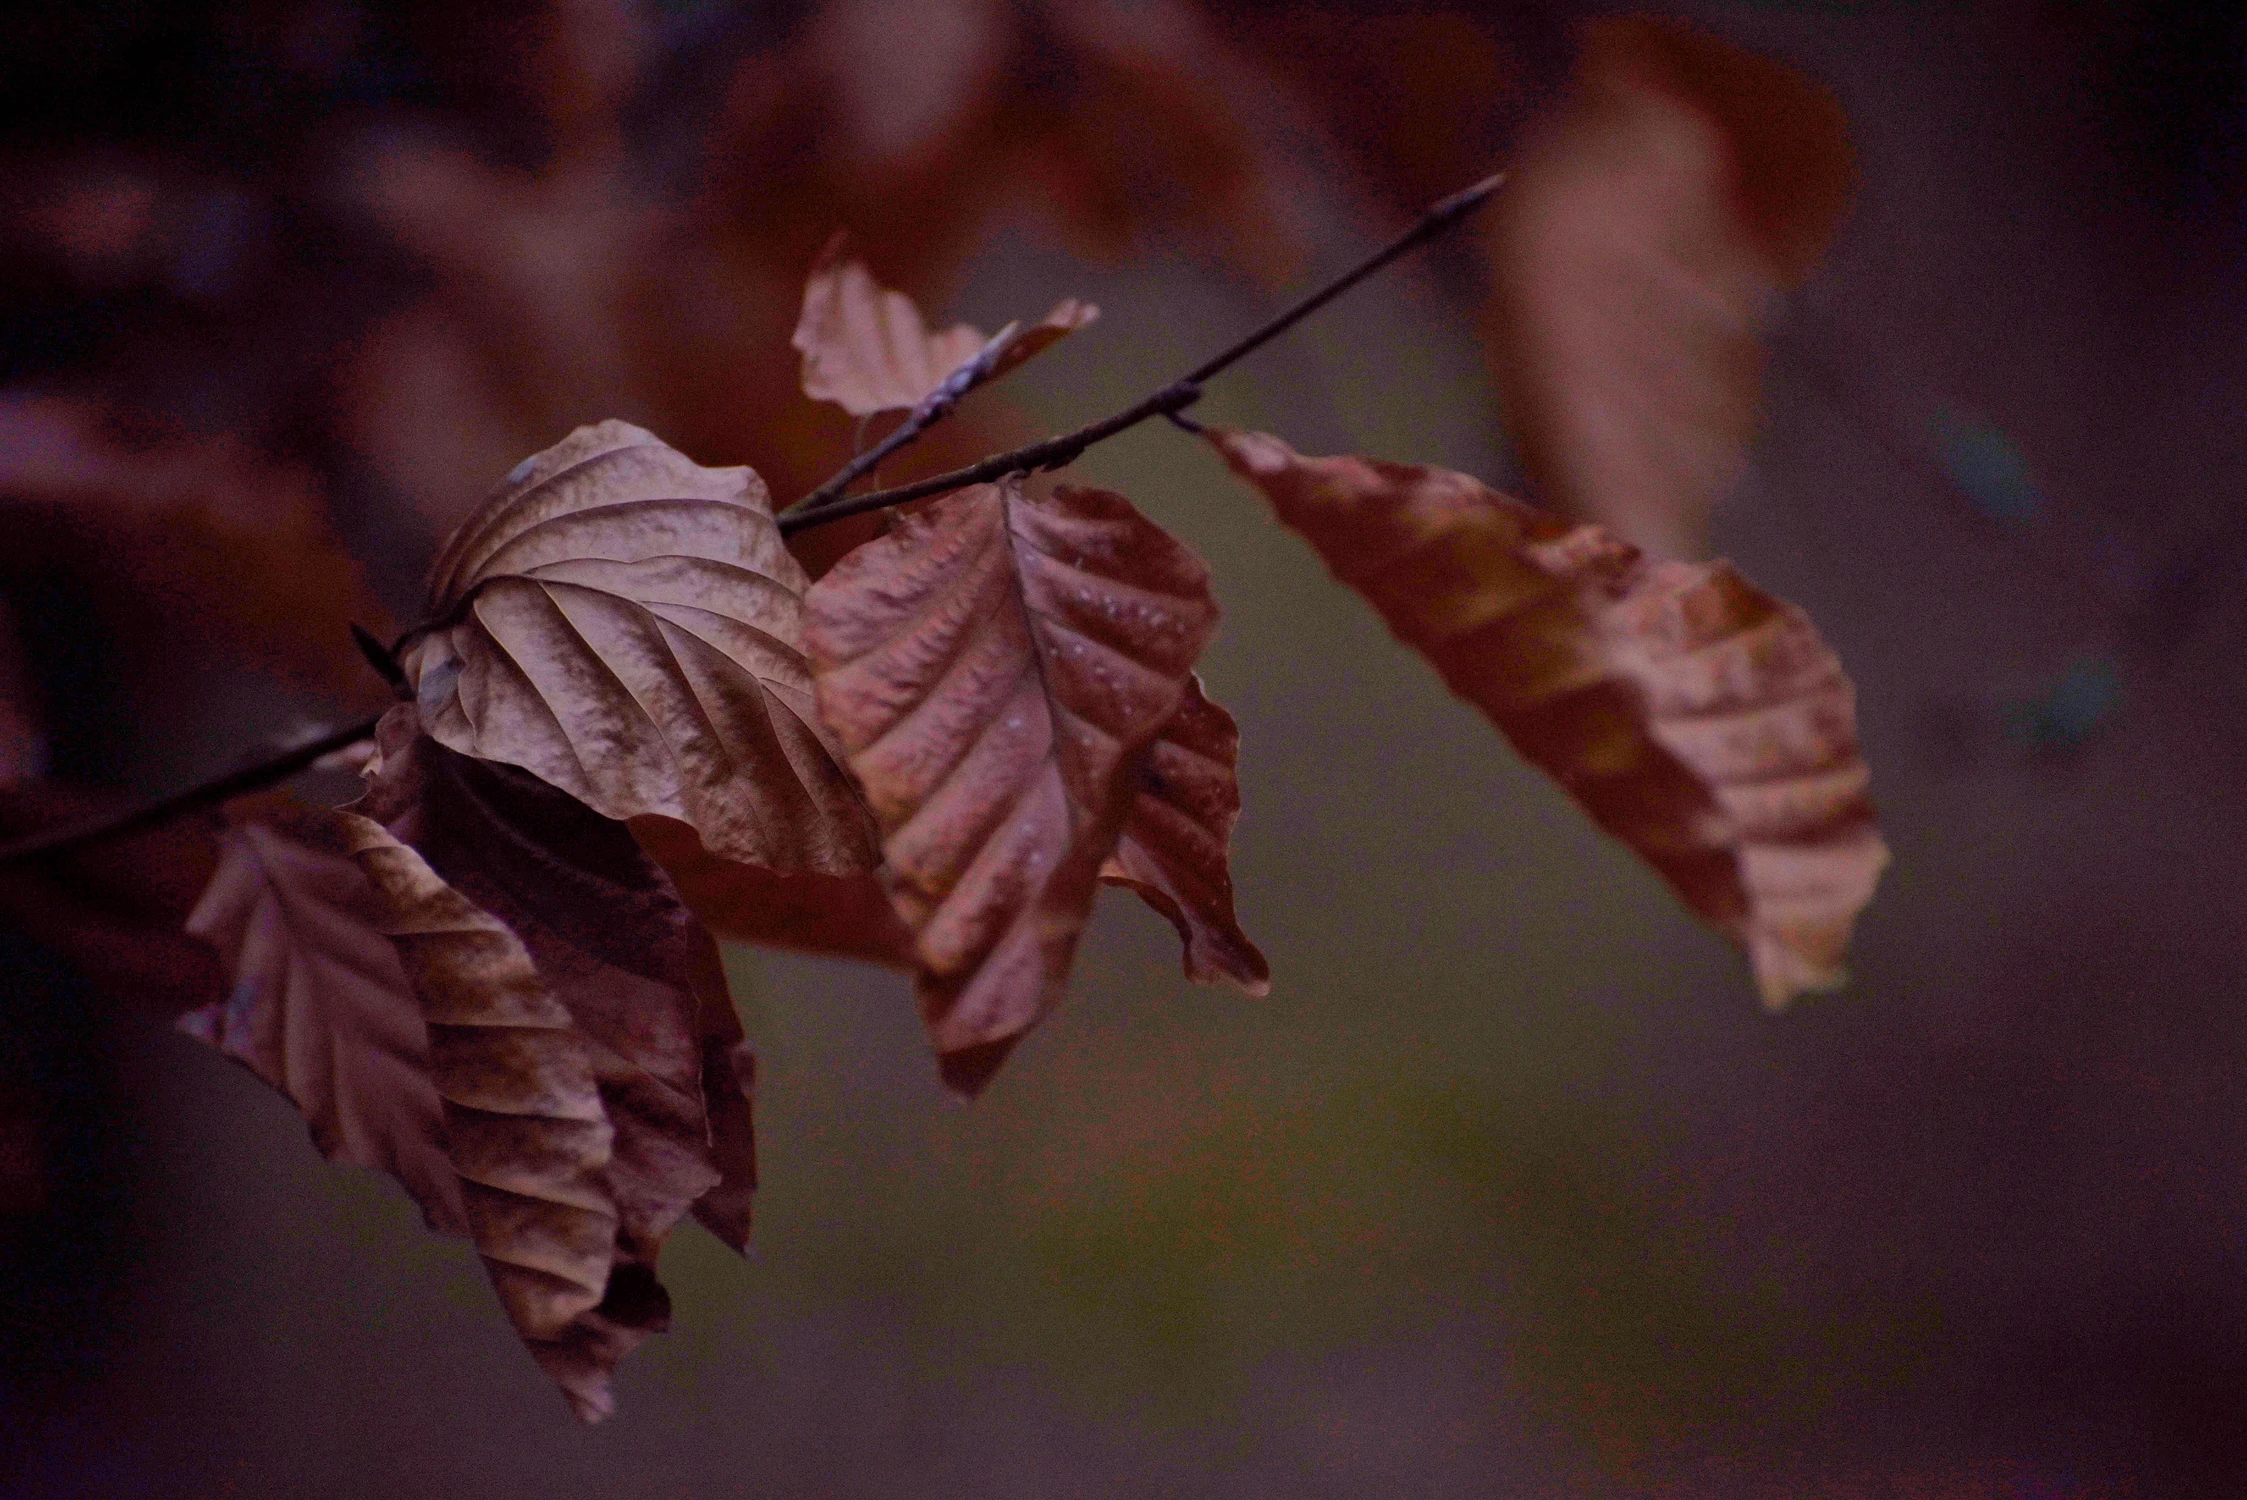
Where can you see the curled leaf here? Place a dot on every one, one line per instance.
(1692, 715)
(318, 1004)
(1637, 250)
(524, 1122)
(580, 1038)
(626, 625)
(996, 669)
(1173, 847)
(867, 349)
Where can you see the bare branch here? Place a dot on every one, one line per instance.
(206, 794)
(817, 508)
(1051, 453)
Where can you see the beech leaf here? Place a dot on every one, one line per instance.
(867, 348)
(580, 1039)
(627, 626)
(1637, 249)
(1692, 715)
(1173, 847)
(996, 668)
(318, 1003)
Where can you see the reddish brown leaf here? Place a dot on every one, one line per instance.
(1173, 847)
(845, 916)
(626, 625)
(1695, 717)
(996, 668)
(319, 1005)
(867, 349)
(1638, 247)
(580, 1039)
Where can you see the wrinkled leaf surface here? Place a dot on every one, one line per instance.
(627, 626)
(1695, 717)
(996, 668)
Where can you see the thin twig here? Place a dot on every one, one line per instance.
(208, 794)
(977, 370)
(1172, 399)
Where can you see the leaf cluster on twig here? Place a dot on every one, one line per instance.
(631, 721)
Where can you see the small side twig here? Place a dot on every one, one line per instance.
(1051, 453)
(978, 370)
(208, 794)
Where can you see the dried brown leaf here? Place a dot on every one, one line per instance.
(1638, 249)
(867, 349)
(626, 625)
(1692, 715)
(580, 1038)
(996, 668)
(1173, 850)
(318, 1004)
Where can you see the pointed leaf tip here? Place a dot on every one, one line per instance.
(1174, 847)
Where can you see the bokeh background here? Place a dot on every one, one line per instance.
(1510, 1188)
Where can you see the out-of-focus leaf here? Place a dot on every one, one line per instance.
(194, 534)
(626, 625)
(1692, 715)
(1173, 847)
(1637, 249)
(318, 1004)
(910, 122)
(843, 916)
(1368, 73)
(996, 668)
(579, 1036)
(114, 907)
(867, 349)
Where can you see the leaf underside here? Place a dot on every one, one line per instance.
(1692, 715)
(580, 1038)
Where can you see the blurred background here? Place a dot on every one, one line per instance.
(1510, 1188)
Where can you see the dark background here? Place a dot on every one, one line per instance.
(1510, 1188)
